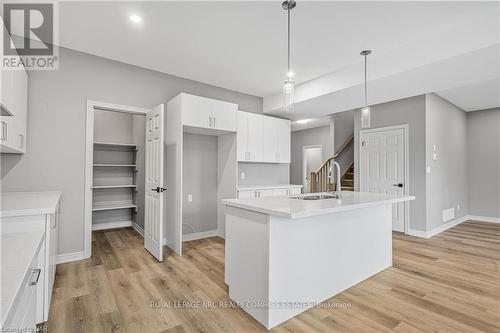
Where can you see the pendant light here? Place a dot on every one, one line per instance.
(289, 86)
(366, 110)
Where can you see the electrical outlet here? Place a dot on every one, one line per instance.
(435, 156)
(190, 198)
(243, 175)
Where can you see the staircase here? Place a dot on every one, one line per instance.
(347, 180)
(320, 180)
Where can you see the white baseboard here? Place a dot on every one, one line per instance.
(69, 257)
(199, 235)
(138, 229)
(451, 224)
(111, 225)
(484, 218)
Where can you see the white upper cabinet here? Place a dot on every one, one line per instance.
(263, 139)
(208, 113)
(249, 137)
(13, 106)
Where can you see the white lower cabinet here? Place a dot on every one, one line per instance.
(269, 192)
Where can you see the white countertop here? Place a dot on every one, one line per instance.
(288, 207)
(263, 187)
(28, 203)
(18, 251)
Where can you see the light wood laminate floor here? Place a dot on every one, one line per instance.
(449, 283)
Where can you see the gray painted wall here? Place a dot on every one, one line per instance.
(309, 137)
(446, 185)
(409, 111)
(55, 156)
(199, 178)
(483, 133)
(112, 126)
(263, 174)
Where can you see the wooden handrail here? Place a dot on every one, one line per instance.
(319, 181)
(339, 151)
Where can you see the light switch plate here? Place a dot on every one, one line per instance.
(243, 175)
(190, 198)
(428, 170)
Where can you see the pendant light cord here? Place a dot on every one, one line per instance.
(288, 71)
(366, 85)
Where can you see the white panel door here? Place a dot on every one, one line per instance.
(224, 116)
(153, 210)
(382, 164)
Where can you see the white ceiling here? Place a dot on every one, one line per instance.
(241, 45)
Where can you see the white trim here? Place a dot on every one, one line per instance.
(111, 225)
(199, 235)
(69, 257)
(488, 219)
(451, 224)
(89, 162)
(406, 133)
(138, 229)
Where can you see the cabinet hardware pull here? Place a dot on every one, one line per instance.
(158, 189)
(210, 121)
(32, 281)
(214, 121)
(4, 130)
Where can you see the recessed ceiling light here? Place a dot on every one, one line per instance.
(135, 18)
(303, 121)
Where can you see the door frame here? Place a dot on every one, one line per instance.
(405, 128)
(89, 156)
(304, 165)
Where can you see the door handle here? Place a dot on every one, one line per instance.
(398, 185)
(33, 281)
(158, 189)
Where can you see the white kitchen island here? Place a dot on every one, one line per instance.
(285, 255)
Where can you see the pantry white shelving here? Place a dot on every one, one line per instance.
(114, 184)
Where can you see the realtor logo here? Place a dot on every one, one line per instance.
(29, 36)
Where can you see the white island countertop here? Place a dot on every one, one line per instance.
(291, 208)
(28, 203)
(17, 252)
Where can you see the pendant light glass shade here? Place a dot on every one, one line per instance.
(366, 110)
(288, 94)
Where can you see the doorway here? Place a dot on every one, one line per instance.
(118, 161)
(312, 158)
(384, 167)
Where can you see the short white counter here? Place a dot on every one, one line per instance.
(291, 208)
(18, 252)
(265, 187)
(28, 203)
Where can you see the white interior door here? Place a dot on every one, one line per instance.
(153, 210)
(382, 166)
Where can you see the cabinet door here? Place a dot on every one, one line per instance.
(6, 92)
(242, 136)
(270, 147)
(21, 108)
(255, 137)
(283, 130)
(224, 116)
(196, 111)
(246, 194)
(265, 193)
(280, 192)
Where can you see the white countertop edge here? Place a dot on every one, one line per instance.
(314, 212)
(6, 310)
(47, 208)
(264, 187)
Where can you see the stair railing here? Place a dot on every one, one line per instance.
(319, 181)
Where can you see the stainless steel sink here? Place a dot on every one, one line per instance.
(316, 197)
